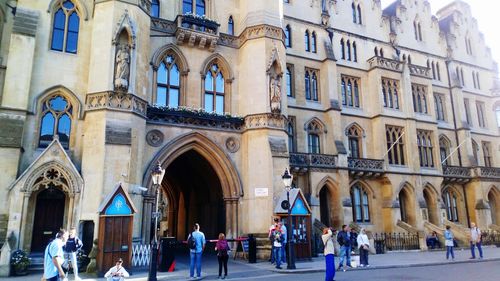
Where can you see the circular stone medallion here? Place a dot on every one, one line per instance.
(154, 138)
(232, 144)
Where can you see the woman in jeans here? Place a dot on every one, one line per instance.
(364, 246)
(222, 249)
(448, 236)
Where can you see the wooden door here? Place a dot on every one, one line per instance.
(115, 232)
(49, 216)
(302, 232)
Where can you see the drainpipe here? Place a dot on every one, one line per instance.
(456, 137)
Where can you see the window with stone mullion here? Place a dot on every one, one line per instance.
(486, 154)
(193, 7)
(350, 91)
(439, 104)
(395, 152)
(424, 144)
(390, 93)
(360, 204)
(419, 98)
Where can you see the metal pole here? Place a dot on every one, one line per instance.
(291, 255)
(153, 263)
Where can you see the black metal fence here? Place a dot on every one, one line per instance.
(490, 237)
(395, 242)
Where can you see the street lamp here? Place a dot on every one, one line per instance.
(287, 181)
(157, 176)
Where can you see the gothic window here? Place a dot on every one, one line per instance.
(360, 204)
(230, 25)
(438, 72)
(56, 117)
(486, 154)
(359, 14)
(390, 93)
(467, 111)
(350, 91)
(354, 13)
(375, 50)
(468, 46)
(291, 134)
(342, 49)
(313, 42)
(480, 114)
(155, 8)
(306, 41)
(348, 50)
(474, 79)
(193, 7)
(311, 85)
(381, 52)
(395, 145)
(462, 76)
(477, 81)
(289, 80)
(419, 98)
(433, 71)
(475, 149)
(214, 90)
(314, 130)
(424, 143)
(288, 36)
(444, 150)
(168, 83)
(354, 135)
(65, 28)
(450, 202)
(417, 30)
(439, 104)
(354, 52)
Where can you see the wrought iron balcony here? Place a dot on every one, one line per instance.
(418, 70)
(194, 118)
(197, 30)
(456, 174)
(311, 160)
(385, 63)
(365, 167)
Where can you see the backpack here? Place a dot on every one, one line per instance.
(191, 242)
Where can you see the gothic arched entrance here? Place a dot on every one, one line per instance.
(432, 205)
(407, 205)
(200, 185)
(49, 217)
(494, 201)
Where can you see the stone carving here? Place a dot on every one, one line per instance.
(278, 146)
(419, 70)
(275, 93)
(265, 120)
(163, 25)
(11, 131)
(260, 31)
(117, 134)
(122, 67)
(117, 101)
(155, 138)
(92, 267)
(385, 63)
(52, 173)
(232, 144)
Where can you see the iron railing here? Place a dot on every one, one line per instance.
(490, 237)
(365, 164)
(311, 160)
(395, 242)
(489, 172)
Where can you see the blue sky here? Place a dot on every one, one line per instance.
(486, 14)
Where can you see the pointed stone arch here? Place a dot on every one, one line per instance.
(362, 198)
(407, 203)
(356, 126)
(75, 101)
(329, 195)
(315, 124)
(80, 5)
(56, 173)
(431, 197)
(222, 62)
(125, 24)
(493, 196)
(365, 186)
(275, 62)
(162, 52)
(454, 203)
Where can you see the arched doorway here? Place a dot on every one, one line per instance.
(201, 185)
(494, 201)
(194, 195)
(330, 207)
(324, 206)
(431, 202)
(407, 205)
(49, 216)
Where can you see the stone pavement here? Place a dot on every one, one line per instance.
(240, 270)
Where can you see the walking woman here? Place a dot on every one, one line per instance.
(448, 236)
(222, 249)
(327, 238)
(364, 246)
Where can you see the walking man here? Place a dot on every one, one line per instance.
(283, 244)
(475, 240)
(195, 254)
(73, 244)
(345, 241)
(54, 257)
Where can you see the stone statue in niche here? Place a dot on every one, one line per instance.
(122, 67)
(275, 93)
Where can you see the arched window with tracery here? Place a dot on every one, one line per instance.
(350, 91)
(354, 137)
(360, 204)
(65, 27)
(168, 83)
(424, 143)
(314, 131)
(395, 145)
(56, 120)
(214, 90)
(419, 94)
(444, 150)
(311, 84)
(390, 93)
(450, 199)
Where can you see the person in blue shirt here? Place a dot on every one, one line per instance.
(195, 254)
(54, 258)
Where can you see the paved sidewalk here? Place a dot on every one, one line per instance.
(241, 270)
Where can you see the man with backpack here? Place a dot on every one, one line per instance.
(196, 244)
(73, 245)
(346, 241)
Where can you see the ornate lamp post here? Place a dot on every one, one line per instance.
(287, 181)
(157, 176)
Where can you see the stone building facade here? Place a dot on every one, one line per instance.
(386, 117)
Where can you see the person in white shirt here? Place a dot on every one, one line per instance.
(475, 240)
(364, 246)
(117, 272)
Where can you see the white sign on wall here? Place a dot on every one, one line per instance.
(261, 192)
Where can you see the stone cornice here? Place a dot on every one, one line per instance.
(116, 101)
